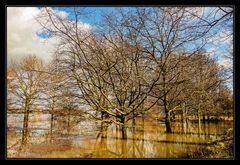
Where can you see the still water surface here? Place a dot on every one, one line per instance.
(82, 139)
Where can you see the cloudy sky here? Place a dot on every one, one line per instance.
(22, 38)
(24, 34)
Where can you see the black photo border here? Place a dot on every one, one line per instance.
(102, 3)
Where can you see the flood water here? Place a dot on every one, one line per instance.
(82, 139)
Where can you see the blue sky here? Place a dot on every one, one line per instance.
(95, 16)
(95, 13)
(26, 38)
(16, 16)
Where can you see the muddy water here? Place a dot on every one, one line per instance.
(83, 139)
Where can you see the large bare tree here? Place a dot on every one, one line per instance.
(130, 59)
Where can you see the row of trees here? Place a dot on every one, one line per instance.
(133, 60)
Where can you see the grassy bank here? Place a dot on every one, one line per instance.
(222, 148)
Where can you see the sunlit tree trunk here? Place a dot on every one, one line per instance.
(104, 125)
(25, 131)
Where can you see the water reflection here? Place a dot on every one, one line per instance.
(84, 140)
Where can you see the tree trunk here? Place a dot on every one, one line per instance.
(68, 121)
(104, 126)
(204, 131)
(124, 129)
(187, 126)
(182, 116)
(204, 118)
(25, 132)
(173, 116)
(117, 136)
(143, 113)
(199, 120)
(133, 122)
(103, 144)
(133, 126)
(167, 117)
(51, 126)
(168, 123)
(104, 130)
(166, 110)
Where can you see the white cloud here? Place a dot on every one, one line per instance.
(198, 11)
(226, 63)
(22, 38)
(212, 52)
(84, 27)
(222, 38)
(22, 30)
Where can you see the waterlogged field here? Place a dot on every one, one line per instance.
(82, 139)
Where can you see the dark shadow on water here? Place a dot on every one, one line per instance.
(194, 133)
(163, 141)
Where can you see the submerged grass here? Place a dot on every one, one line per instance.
(222, 148)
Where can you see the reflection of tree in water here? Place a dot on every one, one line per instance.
(148, 142)
(64, 124)
(109, 143)
(144, 140)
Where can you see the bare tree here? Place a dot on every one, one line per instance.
(54, 83)
(132, 59)
(163, 32)
(105, 69)
(27, 82)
